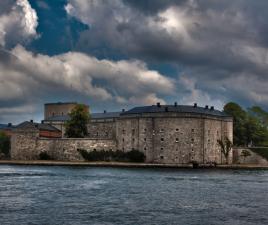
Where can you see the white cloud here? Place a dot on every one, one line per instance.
(19, 24)
(25, 77)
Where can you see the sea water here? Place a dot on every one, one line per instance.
(88, 195)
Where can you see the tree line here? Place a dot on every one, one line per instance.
(250, 125)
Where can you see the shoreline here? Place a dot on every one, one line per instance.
(127, 164)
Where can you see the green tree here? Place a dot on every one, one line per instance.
(255, 132)
(260, 114)
(4, 144)
(239, 118)
(245, 154)
(226, 147)
(76, 127)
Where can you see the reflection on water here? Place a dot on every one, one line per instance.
(80, 195)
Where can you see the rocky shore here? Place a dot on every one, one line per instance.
(127, 165)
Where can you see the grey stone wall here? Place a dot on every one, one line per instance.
(65, 149)
(23, 144)
(26, 145)
(174, 138)
(101, 130)
(163, 138)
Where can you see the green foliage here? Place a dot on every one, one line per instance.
(250, 127)
(76, 127)
(119, 156)
(239, 118)
(226, 147)
(45, 156)
(263, 152)
(4, 145)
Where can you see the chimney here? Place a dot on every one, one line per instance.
(104, 111)
(206, 107)
(195, 105)
(212, 108)
(175, 104)
(123, 110)
(9, 124)
(158, 104)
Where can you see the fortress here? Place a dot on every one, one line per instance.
(173, 134)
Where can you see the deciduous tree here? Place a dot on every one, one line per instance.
(76, 127)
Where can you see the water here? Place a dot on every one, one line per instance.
(81, 195)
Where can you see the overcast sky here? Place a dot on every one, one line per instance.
(114, 54)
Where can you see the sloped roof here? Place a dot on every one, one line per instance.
(58, 118)
(177, 109)
(6, 127)
(104, 115)
(39, 126)
(60, 103)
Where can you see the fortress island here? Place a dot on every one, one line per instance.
(166, 134)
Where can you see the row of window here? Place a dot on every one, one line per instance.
(161, 130)
(177, 130)
(162, 140)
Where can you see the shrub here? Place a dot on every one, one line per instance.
(135, 156)
(45, 156)
(119, 156)
(4, 145)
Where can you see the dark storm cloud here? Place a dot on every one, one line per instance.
(220, 45)
(219, 49)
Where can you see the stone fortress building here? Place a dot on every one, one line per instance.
(173, 134)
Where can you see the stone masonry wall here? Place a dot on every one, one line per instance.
(23, 144)
(174, 138)
(101, 130)
(26, 145)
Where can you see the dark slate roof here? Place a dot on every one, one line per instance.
(39, 126)
(173, 108)
(106, 115)
(58, 118)
(60, 103)
(6, 126)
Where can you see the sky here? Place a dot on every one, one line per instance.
(115, 54)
